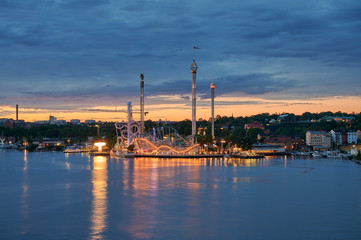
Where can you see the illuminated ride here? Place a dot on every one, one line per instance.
(163, 140)
(144, 145)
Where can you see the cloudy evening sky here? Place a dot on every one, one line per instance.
(63, 57)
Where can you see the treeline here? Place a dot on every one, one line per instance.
(69, 131)
(229, 129)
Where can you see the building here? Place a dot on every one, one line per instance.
(90, 122)
(253, 125)
(260, 148)
(337, 119)
(75, 121)
(20, 123)
(351, 137)
(286, 142)
(38, 123)
(60, 122)
(344, 136)
(7, 122)
(52, 120)
(318, 138)
(45, 142)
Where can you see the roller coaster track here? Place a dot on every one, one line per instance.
(136, 141)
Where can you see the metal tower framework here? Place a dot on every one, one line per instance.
(194, 68)
(212, 99)
(142, 104)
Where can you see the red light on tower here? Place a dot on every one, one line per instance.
(212, 100)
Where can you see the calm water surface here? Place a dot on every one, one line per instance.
(61, 196)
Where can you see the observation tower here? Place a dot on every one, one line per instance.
(142, 104)
(212, 99)
(194, 68)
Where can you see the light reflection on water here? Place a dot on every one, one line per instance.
(144, 178)
(24, 196)
(85, 197)
(176, 162)
(99, 203)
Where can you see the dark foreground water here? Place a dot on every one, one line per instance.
(58, 196)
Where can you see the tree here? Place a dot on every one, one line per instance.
(111, 140)
(252, 133)
(130, 148)
(204, 139)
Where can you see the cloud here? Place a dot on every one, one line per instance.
(82, 49)
(257, 83)
(81, 3)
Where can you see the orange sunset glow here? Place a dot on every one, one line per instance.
(178, 112)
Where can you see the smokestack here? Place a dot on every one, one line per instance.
(212, 98)
(142, 104)
(17, 112)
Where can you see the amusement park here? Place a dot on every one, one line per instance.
(132, 140)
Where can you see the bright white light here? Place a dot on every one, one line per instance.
(99, 145)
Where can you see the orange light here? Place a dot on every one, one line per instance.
(165, 146)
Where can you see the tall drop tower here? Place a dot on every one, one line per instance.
(142, 104)
(194, 68)
(212, 98)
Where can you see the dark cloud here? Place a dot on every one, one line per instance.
(66, 49)
(81, 4)
(258, 83)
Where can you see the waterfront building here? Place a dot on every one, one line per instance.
(349, 148)
(45, 142)
(286, 142)
(344, 136)
(318, 138)
(260, 148)
(351, 137)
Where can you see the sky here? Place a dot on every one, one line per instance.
(64, 57)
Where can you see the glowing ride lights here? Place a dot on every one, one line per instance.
(157, 148)
(99, 145)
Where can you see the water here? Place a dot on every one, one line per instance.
(58, 196)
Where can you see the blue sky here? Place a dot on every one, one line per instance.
(70, 55)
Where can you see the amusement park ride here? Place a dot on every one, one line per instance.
(159, 141)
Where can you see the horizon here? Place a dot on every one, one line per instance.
(185, 119)
(63, 58)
